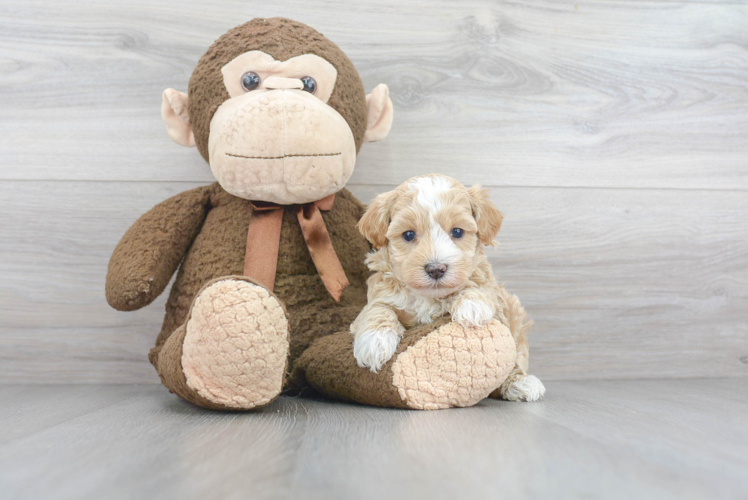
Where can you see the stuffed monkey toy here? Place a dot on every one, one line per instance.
(270, 264)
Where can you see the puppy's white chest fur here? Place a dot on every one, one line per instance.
(415, 309)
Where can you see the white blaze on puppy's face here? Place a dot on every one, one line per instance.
(429, 190)
(432, 207)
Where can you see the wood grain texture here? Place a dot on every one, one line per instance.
(665, 439)
(28, 409)
(507, 93)
(621, 283)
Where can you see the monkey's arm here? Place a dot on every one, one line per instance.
(151, 250)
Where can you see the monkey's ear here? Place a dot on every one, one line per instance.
(175, 113)
(379, 113)
(376, 220)
(487, 216)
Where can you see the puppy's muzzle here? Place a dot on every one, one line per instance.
(436, 271)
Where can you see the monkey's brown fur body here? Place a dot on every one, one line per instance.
(215, 223)
(225, 336)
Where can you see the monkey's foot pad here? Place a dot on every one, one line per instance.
(236, 345)
(454, 366)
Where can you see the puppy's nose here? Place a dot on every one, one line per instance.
(436, 271)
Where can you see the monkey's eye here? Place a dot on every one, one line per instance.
(409, 235)
(309, 84)
(250, 81)
(457, 233)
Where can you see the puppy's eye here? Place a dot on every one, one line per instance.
(409, 235)
(457, 233)
(250, 81)
(310, 85)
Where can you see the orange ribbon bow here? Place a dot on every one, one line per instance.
(263, 242)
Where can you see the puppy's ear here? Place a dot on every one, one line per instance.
(487, 216)
(376, 220)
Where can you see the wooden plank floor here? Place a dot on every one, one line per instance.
(587, 439)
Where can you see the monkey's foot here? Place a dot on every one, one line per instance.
(437, 365)
(454, 366)
(234, 347)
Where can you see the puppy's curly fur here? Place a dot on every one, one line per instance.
(429, 260)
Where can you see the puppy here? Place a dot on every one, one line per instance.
(428, 236)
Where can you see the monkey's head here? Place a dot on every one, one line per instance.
(278, 111)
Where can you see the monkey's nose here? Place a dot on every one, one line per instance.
(436, 271)
(282, 83)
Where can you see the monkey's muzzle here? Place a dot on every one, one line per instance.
(280, 146)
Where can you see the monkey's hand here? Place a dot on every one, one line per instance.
(150, 251)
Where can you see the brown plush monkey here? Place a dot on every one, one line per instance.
(271, 265)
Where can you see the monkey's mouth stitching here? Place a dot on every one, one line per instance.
(280, 157)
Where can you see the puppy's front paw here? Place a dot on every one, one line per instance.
(473, 313)
(373, 348)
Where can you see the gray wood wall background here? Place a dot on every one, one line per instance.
(614, 136)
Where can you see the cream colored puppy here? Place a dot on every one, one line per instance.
(428, 261)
